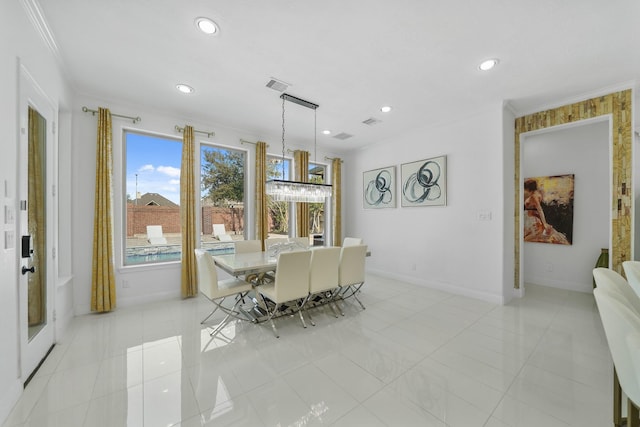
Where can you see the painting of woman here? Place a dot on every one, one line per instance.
(536, 226)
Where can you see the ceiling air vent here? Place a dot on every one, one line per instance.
(278, 85)
(371, 121)
(342, 136)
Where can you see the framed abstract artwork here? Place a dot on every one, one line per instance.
(424, 183)
(379, 188)
(548, 209)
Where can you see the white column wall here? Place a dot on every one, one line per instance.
(449, 247)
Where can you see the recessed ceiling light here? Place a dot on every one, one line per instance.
(206, 25)
(488, 64)
(385, 109)
(326, 132)
(185, 88)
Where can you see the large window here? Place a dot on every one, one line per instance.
(152, 220)
(222, 197)
(278, 211)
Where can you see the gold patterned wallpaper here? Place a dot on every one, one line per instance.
(619, 106)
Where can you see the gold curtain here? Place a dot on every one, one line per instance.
(301, 159)
(103, 284)
(262, 215)
(36, 218)
(336, 199)
(189, 278)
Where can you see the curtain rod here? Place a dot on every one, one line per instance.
(94, 112)
(209, 134)
(244, 141)
(333, 158)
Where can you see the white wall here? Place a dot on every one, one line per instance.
(582, 150)
(19, 42)
(450, 247)
(146, 283)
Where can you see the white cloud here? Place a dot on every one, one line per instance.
(174, 181)
(169, 170)
(146, 168)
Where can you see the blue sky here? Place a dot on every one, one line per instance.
(157, 163)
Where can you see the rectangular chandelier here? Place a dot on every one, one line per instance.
(295, 191)
(282, 190)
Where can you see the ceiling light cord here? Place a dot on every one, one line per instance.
(283, 138)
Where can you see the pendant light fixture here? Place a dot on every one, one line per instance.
(282, 190)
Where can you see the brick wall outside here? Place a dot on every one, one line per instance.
(138, 217)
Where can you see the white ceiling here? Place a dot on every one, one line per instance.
(349, 56)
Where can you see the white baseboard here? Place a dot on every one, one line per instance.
(454, 289)
(9, 398)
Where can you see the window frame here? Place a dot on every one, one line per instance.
(247, 180)
(121, 257)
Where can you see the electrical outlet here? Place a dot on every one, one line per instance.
(125, 284)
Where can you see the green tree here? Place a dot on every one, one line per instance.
(278, 211)
(316, 210)
(222, 176)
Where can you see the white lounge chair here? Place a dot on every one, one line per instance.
(155, 235)
(220, 233)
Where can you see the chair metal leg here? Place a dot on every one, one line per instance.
(354, 290)
(618, 420)
(335, 300)
(302, 319)
(334, 307)
(300, 312)
(633, 415)
(214, 310)
(275, 310)
(356, 296)
(220, 325)
(310, 318)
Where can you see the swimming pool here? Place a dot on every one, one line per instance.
(168, 253)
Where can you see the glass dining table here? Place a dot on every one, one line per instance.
(243, 264)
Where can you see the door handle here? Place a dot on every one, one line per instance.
(26, 270)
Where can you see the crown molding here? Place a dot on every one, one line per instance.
(36, 16)
(509, 106)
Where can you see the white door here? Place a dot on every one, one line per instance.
(35, 226)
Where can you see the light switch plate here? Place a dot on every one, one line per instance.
(484, 215)
(9, 239)
(8, 214)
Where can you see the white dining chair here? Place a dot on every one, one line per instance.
(622, 329)
(632, 271)
(216, 290)
(290, 285)
(323, 275)
(351, 274)
(351, 241)
(613, 283)
(246, 246)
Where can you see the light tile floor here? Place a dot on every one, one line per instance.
(414, 357)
